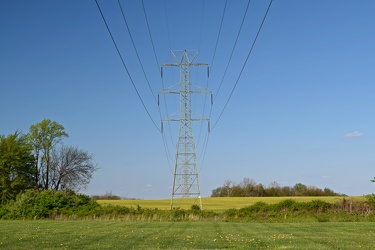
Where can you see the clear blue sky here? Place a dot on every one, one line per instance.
(303, 110)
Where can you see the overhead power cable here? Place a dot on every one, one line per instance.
(212, 60)
(126, 69)
(247, 58)
(158, 67)
(199, 48)
(218, 36)
(149, 32)
(136, 51)
(166, 17)
(165, 143)
(211, 65)
(234, 47)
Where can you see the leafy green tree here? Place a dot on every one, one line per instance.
(300, 189)
(373, 180)
(259, 190)
(44, 136)
(217, 192)
(16, 165)
(273, 189)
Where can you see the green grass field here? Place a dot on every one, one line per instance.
(220, 203)
(102, 234)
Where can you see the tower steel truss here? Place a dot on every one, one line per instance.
(185, 179)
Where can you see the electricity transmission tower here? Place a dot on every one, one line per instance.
(185, 178)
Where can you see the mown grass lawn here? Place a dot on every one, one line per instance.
(222, 203)
(91, 234)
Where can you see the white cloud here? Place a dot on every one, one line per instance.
(353, 134)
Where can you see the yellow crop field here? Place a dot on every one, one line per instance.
(222, 203)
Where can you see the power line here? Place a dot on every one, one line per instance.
(218, 36)
(126, 69)
(205, 98)
(162, 80)
(170, 49)
(165, 142)
(248, 55)
(167, 153)
(166, 17)
(247, 7)
(149, 32)
(199, 48)
(136, 51)
(213, 57)
(230, 58)
(212, 61)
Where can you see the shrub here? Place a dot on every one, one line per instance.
(317, 206)
(256, 207)
(371, 200)
(48, 204)
(285, 205)
(195, 207)
(231, 213)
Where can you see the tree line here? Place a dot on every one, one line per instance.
(39, 160)
(249, 188)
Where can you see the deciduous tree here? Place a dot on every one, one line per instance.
(300, 189)
(71, 168)
(44, 136)
(16, 165)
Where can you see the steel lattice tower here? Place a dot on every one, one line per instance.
(185, 180)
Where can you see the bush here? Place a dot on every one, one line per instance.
(49, 204)
(256, 207)
(318, 206)
(371, 200)
(195, 207)
(286, 205)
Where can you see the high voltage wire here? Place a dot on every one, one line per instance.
(238, 34)
(165, 143)
(212, 60)
(199, 48)
(170, 49)
(218, 36)
(247, 58)
(205, 147)
(205, 98)
(149, 32)
(166, 16)
(157, 64)
(126, 69)
(140, 62)
(136, 51)
(234, 47)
